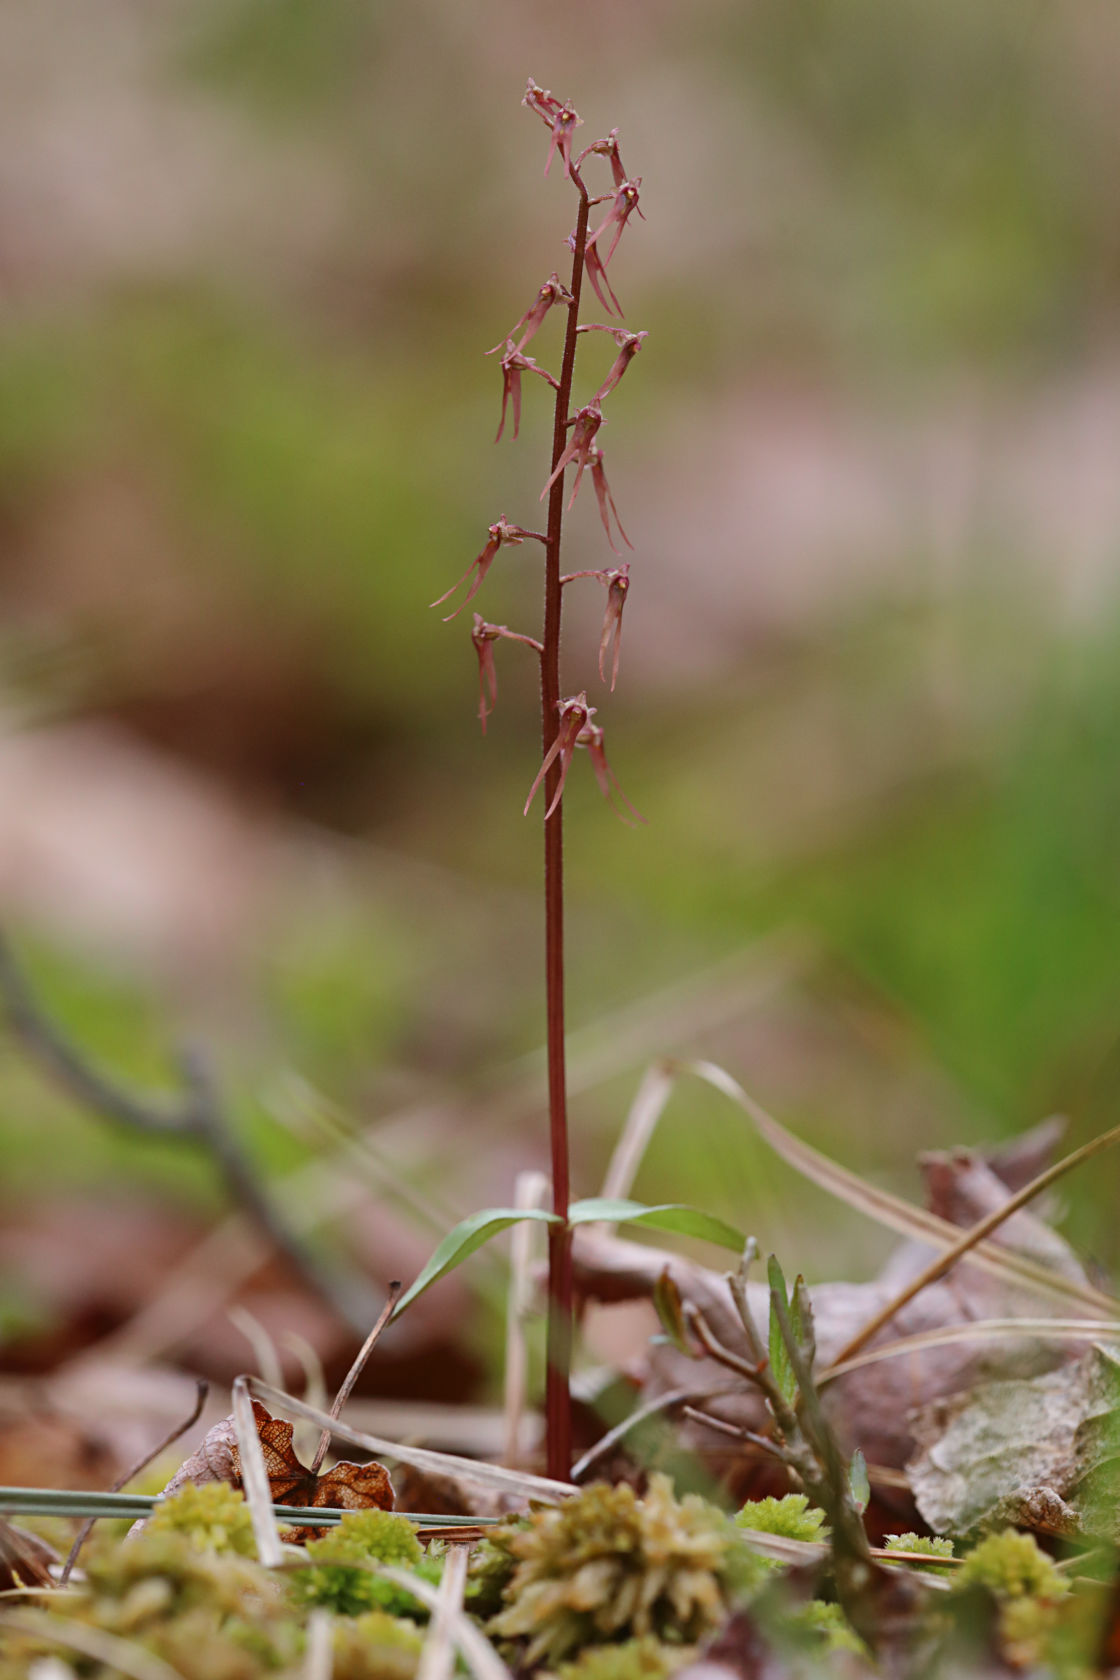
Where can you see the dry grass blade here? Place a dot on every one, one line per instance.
(532, 1190)
(254, 1476)
(262, 1345)
(318, 1657)
(476, 1649)
(645, 1111)
(494, 1476)
(894, 1212)
(651, 1408)
(976, 1234)
(438, 1655)
(119, 1656)
(979, 1330)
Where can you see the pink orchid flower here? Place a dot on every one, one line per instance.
(553, 291)
(618, 585)
(591, 737)
(575, 715)
(629, 344)
(513, 365)
(560, 118)
(484, 636)
(623, 205)
(606, 500)
(584, 426)
(607, 148)
(501, 534)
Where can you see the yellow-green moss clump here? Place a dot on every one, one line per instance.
(338, 1579)
(607, 1566)
(635, 1659)
(792, 1517)
(1027, 1587)
(213, 1517)
(934, 1547)
(209, 1616)
(375, 1646)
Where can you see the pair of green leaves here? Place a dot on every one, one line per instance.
(471, 1233)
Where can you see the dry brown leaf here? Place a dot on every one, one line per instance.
(346, 1486)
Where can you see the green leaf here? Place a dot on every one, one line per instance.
(780, 1367)
(665, 1216)
(858, 1481)
(468, 1235)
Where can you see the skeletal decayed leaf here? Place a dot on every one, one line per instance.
(1043, 1453)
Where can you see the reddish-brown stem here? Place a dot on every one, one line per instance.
(558, 1406)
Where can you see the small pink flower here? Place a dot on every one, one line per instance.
(501, 533)
(513, 365)
(575, 715)
(623, 205)
(618, 585)
(606, 500)
(484, 636)
(597, 275)
(584, 427)
(591, 737)
(560, 118)
(628, 346)
(553, 291)
(607, 148)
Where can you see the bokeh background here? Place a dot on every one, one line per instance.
(251, 252)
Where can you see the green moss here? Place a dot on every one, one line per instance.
(376, 1646)
(213, 1517)
(929, 1547)
(339, 1580)
(634, 1659)
(1011, 1565)
(607, 1566)
(793, 1517)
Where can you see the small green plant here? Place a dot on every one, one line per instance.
(792, 1516)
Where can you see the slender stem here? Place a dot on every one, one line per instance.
(558, 1405)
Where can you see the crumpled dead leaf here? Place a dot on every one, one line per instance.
(868, 1407)
(347, 1486)
(1042, 1453)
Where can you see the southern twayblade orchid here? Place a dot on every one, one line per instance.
(553, 291)
(560, 118)
(608, 148)
(484, 636)
(575, 715)
(502, 533)
(623, 204)
(585, 423)
(592, 738)
(513, 365)
(629, 343)
(618, 585)
(577, 730)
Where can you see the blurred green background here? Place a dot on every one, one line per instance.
(870, 695)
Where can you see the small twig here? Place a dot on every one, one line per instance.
(722, 1427)
(651, 1408)
(203, 1389)
(196, 1114)
(356, 1370)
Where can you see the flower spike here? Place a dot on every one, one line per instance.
(553, 291)
(501, 532)
(584, 427)
(513, 365)
(561, 119)
(575, 715)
